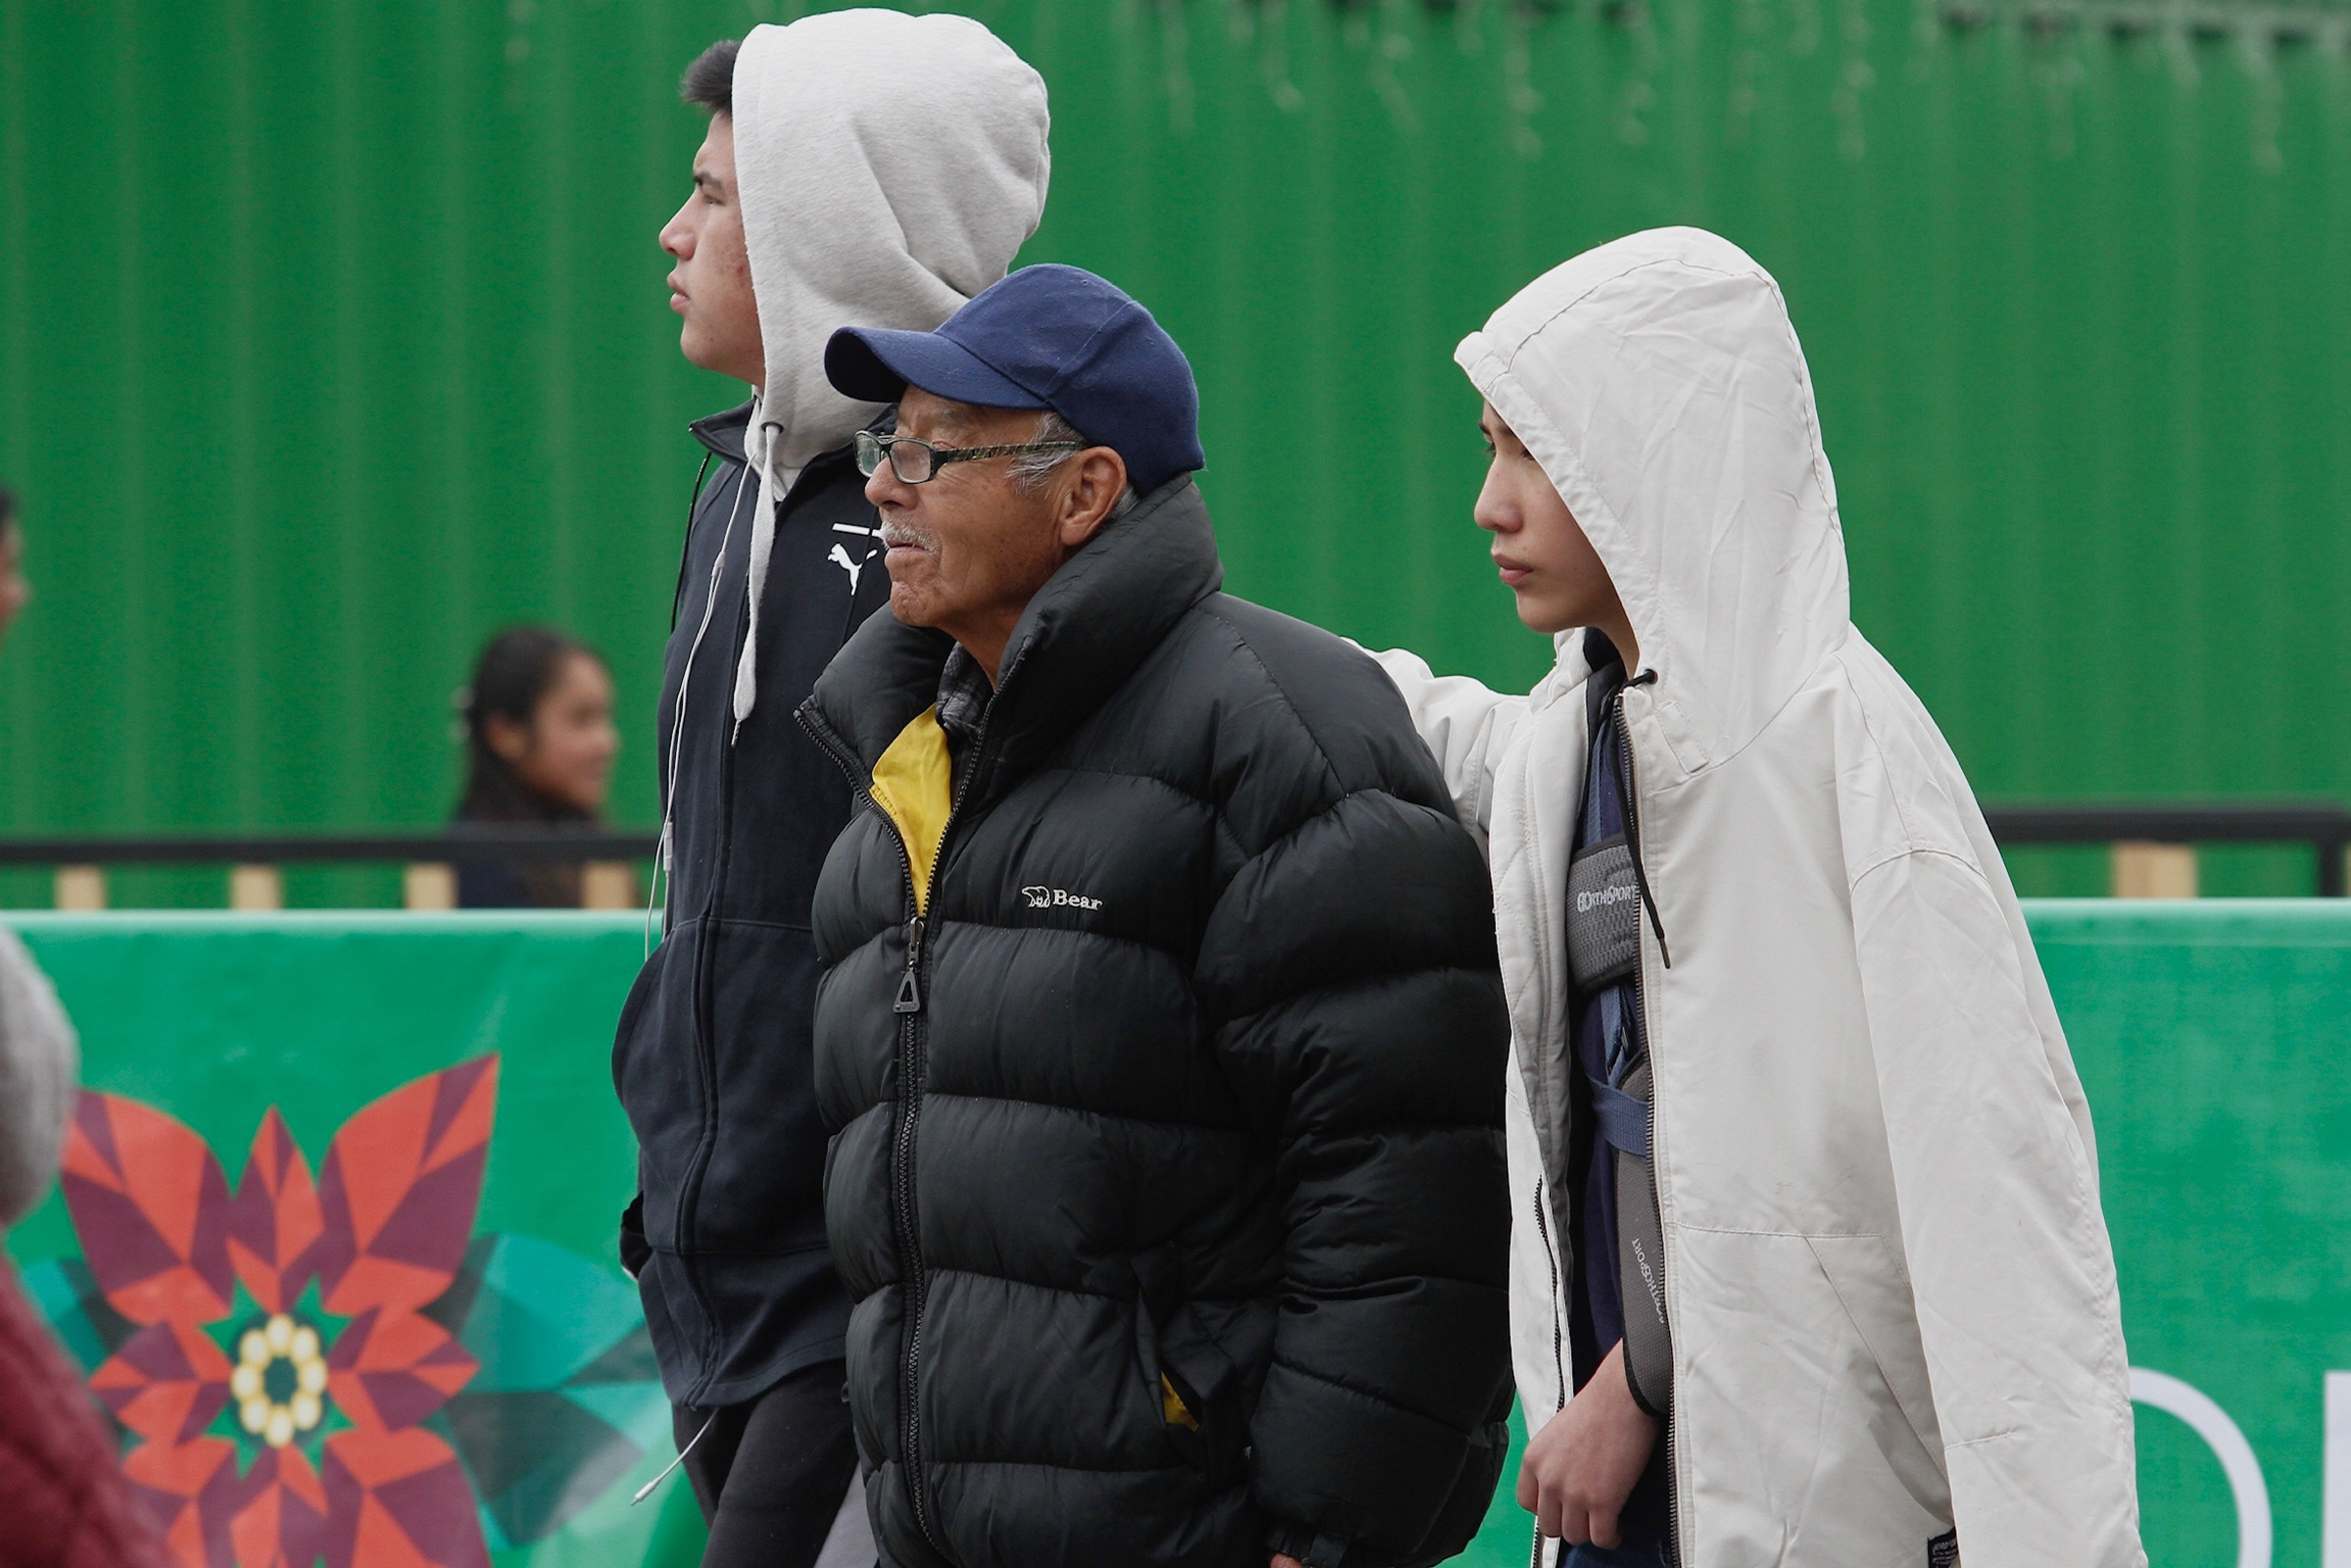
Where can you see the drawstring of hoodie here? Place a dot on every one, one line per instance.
(760, 438)
(647, 1490)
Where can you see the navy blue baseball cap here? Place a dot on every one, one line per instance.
(1047, 337)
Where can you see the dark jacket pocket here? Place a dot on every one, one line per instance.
(657, 1070)
(1199, 1391)
(763, 1188)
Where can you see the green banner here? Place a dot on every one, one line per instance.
(334, 1237)
(2212, 1040)
(294, 1111)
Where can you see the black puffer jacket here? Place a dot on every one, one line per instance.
(1169, 1180)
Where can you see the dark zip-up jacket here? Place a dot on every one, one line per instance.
(712, 1054)
(1168, 1176)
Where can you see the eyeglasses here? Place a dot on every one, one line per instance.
(917, 462)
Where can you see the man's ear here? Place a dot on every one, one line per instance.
(1097, 479)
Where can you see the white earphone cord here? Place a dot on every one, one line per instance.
(677, 723)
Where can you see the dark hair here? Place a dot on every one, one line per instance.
(8, 511)
(709, 83)
(517, 669)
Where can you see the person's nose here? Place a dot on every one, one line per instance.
(676, 237)
(884, 488)
(1494, 511)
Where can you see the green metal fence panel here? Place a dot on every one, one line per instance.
(2209, 1038)
(332, 336)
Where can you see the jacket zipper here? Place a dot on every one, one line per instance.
(1559, 1349)
(704, 989)
(908, 1006)
(705, 1051)
(1649, 1049)
(1632, 833)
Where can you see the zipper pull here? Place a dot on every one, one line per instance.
(910, 991)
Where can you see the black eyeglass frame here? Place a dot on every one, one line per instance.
(873, 448)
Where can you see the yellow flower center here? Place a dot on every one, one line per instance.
(280, 1381)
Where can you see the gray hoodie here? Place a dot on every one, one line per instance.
(891, 167)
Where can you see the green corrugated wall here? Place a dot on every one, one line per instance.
(334, 336)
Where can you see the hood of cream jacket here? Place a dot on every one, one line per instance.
(889, 167)
(1891, 1288)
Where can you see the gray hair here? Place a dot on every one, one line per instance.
(1031, 469)
(39, 1061)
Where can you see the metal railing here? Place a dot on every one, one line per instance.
(2152, 849)
(607, 861)
(2153, 846)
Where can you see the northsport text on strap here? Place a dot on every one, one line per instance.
(1604, 914)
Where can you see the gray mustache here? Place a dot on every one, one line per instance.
(896, 533)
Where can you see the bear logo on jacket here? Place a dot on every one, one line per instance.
(1058, 898)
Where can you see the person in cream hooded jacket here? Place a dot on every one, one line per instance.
(1890, 1288)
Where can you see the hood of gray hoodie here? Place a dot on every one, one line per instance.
(889, 167)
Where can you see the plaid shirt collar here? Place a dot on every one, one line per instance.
(964, 693)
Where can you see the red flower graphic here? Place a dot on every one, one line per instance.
(381, 1234)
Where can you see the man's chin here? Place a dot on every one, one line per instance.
(911, 608)
(696, 346)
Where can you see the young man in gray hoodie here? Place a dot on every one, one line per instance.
(866, 168)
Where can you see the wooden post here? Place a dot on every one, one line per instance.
(81, 889)
(2154, 871)
(256, 887)
(430, 884)
(607, 885)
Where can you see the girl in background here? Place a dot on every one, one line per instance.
(15, 592)
(539, 740)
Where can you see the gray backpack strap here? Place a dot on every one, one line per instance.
(1641, 1267)
(1604, 914)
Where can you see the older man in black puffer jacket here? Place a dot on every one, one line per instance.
(1161, 1024)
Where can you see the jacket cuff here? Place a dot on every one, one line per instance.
(1314, 1548)
(634, 1254)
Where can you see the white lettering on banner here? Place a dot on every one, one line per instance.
(2210, 1422)
(2336, 1527)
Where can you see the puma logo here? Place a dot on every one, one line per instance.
(840, 558)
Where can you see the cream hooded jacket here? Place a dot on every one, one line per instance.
(1891, 1292)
